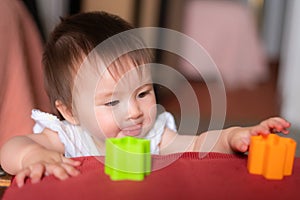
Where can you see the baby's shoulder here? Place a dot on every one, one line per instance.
(167, 137)
(169, 132)
(38, 115)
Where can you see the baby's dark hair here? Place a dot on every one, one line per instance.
(71, 41)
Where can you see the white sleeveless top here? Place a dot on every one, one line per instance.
(78, 142)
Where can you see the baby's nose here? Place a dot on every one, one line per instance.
(134, 110)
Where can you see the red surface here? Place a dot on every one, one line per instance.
(217, 176)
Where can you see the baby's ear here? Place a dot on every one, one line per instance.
(66, 112)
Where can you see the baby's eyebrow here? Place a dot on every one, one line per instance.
(107, 94)
(145, 85)
(104, 94)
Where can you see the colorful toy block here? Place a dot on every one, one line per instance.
(127, 158)
(271, 156)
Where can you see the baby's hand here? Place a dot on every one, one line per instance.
(58, 165)
(271, 125)
(239, 138)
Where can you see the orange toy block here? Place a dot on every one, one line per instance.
(271, 156)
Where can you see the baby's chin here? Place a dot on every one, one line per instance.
(142, 134)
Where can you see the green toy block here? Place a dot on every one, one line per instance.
(127, 158)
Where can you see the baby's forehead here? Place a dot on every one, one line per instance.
(125, 72)
(97, 66)
(124, 65)
(123, 82)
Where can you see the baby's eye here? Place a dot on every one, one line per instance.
(143, 94)
(112, 103)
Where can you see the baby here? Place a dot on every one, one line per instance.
(102, 90)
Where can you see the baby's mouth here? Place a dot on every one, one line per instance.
(134, 130)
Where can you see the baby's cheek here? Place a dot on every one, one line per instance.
(106, 124)
(108, 128)
(153, 112)
(150, 119)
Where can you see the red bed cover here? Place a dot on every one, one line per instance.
(216, 176)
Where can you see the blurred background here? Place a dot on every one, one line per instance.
(254, 44)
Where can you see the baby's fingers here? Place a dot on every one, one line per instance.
(71, 162)
(62, 171)
(34, 172)
(260, 129)
(21, 176)
(58, 171)
(70, 170)
(37, 172)
(277, 124)
(241, 145)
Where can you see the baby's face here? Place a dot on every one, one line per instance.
(125, 105)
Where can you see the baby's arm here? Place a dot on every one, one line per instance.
(36, 155)
(234, 139)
